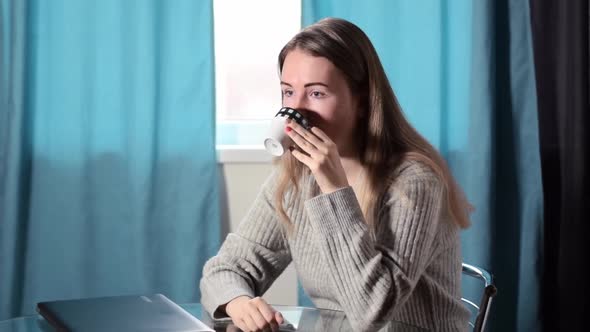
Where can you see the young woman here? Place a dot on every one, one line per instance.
(362, 204)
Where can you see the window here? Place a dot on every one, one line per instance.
(248, 37)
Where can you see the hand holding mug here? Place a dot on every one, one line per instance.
(277, 140)
(320, 154)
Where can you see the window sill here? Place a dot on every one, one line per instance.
(239, 154)
(240, 141)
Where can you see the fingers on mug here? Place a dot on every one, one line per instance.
(277, 141)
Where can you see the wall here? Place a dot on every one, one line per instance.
(240, 184)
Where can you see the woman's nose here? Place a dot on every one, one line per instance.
(303, 111)
(298, 103)
(300, 107)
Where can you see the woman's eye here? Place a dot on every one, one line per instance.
(318, 94)
(287, 93)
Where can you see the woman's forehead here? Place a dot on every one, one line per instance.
(302, 68)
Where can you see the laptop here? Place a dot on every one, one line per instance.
(155, 313)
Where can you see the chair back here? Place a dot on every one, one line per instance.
(480, 312)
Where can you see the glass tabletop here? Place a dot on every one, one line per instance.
(300, 319)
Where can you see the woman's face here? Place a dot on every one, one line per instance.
(315, 87)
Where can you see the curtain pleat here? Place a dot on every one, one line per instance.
(108, 176)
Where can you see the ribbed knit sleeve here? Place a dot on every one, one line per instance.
(373, 279)
(250, 259)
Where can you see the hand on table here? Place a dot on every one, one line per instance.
(253, 314)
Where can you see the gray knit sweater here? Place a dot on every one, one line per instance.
(407, 269)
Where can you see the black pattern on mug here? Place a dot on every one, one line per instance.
(292, 113)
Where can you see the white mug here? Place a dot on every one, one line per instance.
(277, 141)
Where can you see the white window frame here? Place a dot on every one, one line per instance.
(237, 138)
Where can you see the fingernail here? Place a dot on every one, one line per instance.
(288, 129)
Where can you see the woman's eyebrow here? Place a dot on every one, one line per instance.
(316, 83)
(307, 84)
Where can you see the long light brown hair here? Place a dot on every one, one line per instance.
(386, 137)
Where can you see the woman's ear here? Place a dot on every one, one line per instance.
(362, 107)
(363, 104)
(360, 113)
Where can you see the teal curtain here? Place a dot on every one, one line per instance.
(464, 74)
(108, 178)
